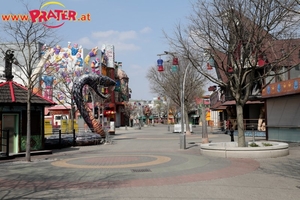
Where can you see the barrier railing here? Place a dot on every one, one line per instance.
(5, 143)
(249, 124)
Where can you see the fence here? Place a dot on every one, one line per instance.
(249, 124)
(5, 143)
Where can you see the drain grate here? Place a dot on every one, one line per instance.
(140, 170)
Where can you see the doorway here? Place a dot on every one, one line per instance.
(10, 122)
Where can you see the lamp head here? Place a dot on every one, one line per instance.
(16, 62)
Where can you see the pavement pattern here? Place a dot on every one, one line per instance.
(148, 163)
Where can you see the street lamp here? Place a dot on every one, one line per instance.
(168, 109)
(183, 135)
(141, 115)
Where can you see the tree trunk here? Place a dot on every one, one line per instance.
(72, 120)
(72, 115)
(240, 125)
(28, 135)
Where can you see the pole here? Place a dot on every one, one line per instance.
(204, 125)
(168, 108)
(7, 143)
(141, 118)
(182, 135)
(253, 133)
(74, 138)
(59, 138)
(102, 118)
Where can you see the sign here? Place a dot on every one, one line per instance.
(207, 116)
(110, 54)
(52, 14)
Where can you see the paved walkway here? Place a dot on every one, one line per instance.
(149, 164)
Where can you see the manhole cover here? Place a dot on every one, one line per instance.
(140, 170)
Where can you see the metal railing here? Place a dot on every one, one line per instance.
(249, 124)
(5, 145)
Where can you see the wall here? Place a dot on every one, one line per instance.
(283, 118)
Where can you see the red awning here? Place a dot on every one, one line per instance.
(59, 107)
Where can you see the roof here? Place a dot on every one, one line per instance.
(223, 105)
(287, 49)
(60, 107)
(56, 108)
(221, 61)
(14, 93)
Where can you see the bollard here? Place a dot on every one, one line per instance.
(74, 138)
(253, 134)
(7, 143)
(59, 139)
(232, 135)
(182, 141)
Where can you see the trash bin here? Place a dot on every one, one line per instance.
(112, 128)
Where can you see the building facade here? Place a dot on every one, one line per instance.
(272, 109)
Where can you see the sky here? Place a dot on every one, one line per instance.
(134, 27)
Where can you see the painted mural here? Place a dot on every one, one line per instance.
(67, 63)
(123, 84)
(287, 87)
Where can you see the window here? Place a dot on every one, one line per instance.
(282, 74)
(270, 77)
(295, 72)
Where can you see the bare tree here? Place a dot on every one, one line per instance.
(147, 112)
(169, 83)
(175, 110)
(62, 93)
(159, 108)
(24, 38)
(248, 40)
(128, 112)
(291, 5)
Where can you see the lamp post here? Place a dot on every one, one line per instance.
(168, 109)
(183, 136)
(141, 116)
(204, 125)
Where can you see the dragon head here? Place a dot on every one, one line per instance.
(99, 82)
